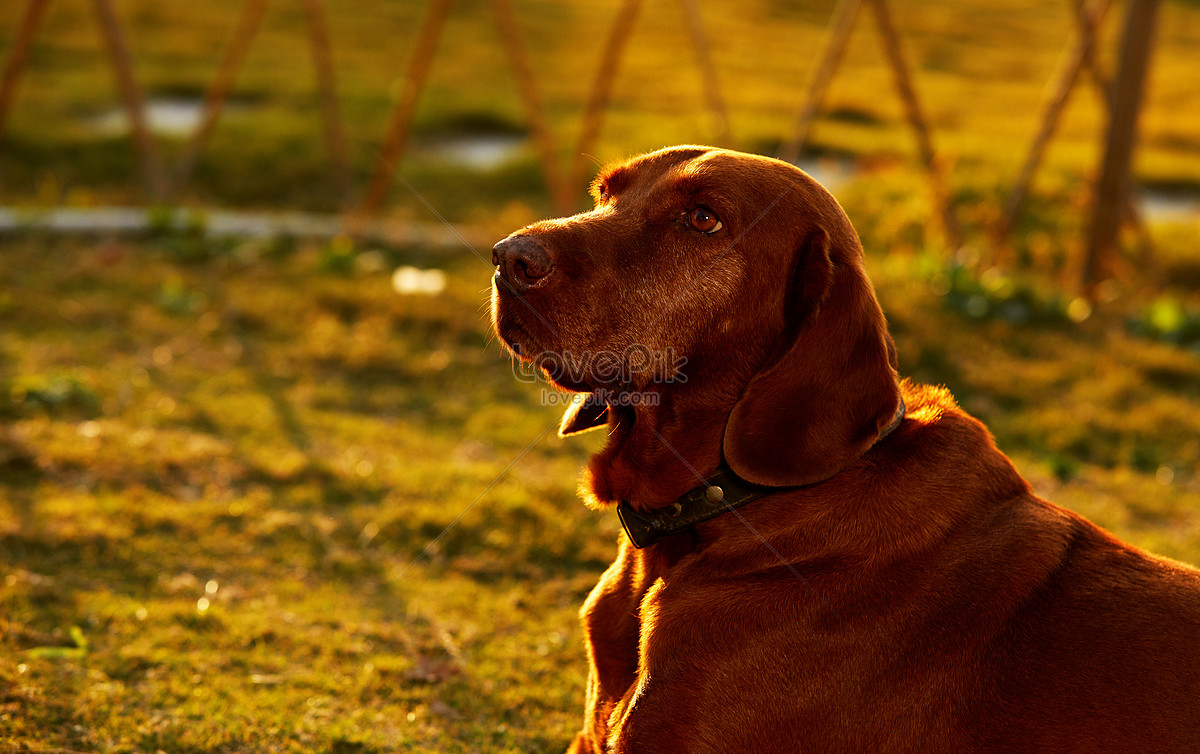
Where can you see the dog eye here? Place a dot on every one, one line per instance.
(704, 220)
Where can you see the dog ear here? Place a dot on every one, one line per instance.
(587, 411)
(831, 387)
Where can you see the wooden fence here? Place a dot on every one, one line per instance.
(1112, 207)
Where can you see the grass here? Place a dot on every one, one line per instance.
(231, 502)
(255, 503)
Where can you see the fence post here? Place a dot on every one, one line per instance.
(523, 72)
(34, 10)
(1132, 213)
(218, 91)
(1089, 16)
(131, 94)
(602, 88)
(396, 137)
(709, 83)
(818, 81)
(1113, 188)
(335, 139)
(933, 165)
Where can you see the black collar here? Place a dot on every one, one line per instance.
(720, 493)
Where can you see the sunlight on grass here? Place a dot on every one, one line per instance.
(274, 522)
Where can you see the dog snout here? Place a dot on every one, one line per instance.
(521, 262)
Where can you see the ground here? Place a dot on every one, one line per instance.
(256, 499)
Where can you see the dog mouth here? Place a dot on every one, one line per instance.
(517, 340)
(516, 335)
(529, 337)
(559, 369)
(508, 323)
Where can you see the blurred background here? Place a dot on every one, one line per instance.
(266, 481)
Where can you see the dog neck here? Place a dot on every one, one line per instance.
(659, 453)
(723, 492)
(655, 453)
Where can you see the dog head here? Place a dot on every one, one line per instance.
(729, 280)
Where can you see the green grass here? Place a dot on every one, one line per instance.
(294, 440)
(982, 69)
(251, 503)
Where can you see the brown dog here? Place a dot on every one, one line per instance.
(831, 559)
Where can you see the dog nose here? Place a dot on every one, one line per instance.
(521, 261)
